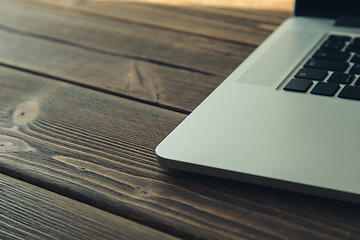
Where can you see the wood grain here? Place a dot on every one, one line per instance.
(226, 23)
(159, 65)
(29, 212)
(99, 149)
(286, 5)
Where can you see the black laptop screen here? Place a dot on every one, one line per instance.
(327, 8)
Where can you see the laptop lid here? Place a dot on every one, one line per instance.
(327, 8)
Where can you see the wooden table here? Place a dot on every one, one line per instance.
(88, 90)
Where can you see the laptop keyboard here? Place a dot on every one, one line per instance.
(333, 70)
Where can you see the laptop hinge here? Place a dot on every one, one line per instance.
(348, 21)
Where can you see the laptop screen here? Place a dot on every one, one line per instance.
(327, 8)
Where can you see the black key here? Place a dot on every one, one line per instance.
(355, 69)
(313, 74)
(356, 41)
(339, 38)
(326, 89)
(342, 78)
(331, 55)
(355, 58)
(336, 45)
(298, 85)
(353, 48)
(350, 92)
(330, 65)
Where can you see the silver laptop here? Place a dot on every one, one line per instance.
(289, 115)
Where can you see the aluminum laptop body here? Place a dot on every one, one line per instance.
(250, 129)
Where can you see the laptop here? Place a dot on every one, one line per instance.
(289, 116)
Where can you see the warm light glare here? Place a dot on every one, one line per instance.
(258, 4)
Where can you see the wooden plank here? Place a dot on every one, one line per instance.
(99, 149)
(284, 5)
(30, 212)
(154, 83)
(174, 69)
(225, 22)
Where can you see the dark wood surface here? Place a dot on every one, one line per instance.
(30, 212)
(88, 90)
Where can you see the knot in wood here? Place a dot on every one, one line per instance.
(11, 144)
(26, 112)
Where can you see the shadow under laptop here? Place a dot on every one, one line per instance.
(267, 200)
